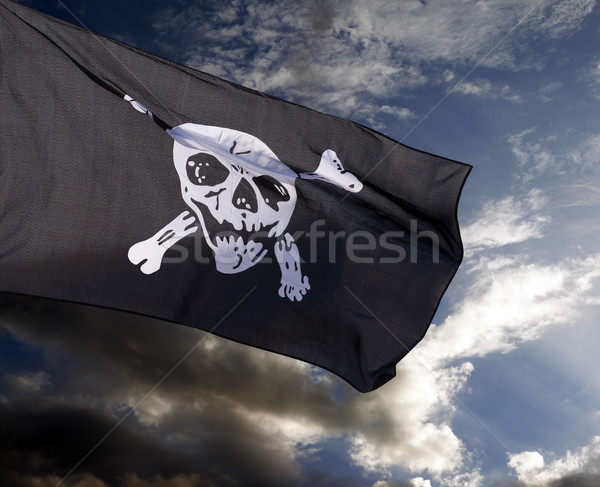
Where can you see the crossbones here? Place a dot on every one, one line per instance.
(233, 181)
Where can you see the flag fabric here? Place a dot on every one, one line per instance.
(130, 182)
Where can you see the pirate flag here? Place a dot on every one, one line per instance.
(130, 182)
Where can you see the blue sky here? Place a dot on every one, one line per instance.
(504, 390)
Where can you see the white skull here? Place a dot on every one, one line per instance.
(235, 179)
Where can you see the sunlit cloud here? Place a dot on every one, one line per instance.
(509, 305)
(509, 220)
(530, 466)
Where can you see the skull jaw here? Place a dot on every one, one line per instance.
(233, 254)
(235, 249)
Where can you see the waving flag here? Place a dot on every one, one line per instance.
(130, 182)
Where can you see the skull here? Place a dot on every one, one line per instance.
(238, 189)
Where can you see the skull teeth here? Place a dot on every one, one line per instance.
(229, 243)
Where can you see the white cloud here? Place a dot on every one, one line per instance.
(566, 17)
(592, 75)
(467, 479)
(399, 112)
(448, 76)
(526, 462)
(530, 467)
(550, 156)
(548, 90)
(534, 159)
(508, 306)
(420, 482)
(347, 59)
(486, 89)
(568, 167)
(429, 29)
(586, 155)
(507, 221)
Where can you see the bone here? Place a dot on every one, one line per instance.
(150, 252)
(332, 171)
(293, 284)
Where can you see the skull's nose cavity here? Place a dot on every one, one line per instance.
(244, 197)
(205, 170)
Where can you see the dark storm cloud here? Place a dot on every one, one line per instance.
(579, 480)
(52, 439)
(126, 353)
(41, 438)
(207, 417)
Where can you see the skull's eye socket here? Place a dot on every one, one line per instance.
(205, 170)
(272, 191)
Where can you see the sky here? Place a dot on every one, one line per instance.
(503, 391)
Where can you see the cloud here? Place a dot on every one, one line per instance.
(527, 461)
(347, 58)
(567, 167)
(534, 159)
(486, 89)
(399, 112)
(547, 91)
(467, 479)
(531, 468)
(127, 480)
(565, 18)
(509, 220)
(550, 156)
(592, 76)
(192, 480)
(463, 480)
(586, 154)
(385, 483)
(30, 382)
(509, 304)
(103, 363)
(420, 482)
(85, 480)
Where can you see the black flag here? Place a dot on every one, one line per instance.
(130, 182)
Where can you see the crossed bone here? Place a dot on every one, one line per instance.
(150, 252)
